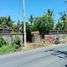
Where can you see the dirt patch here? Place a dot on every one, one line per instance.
(41, 44)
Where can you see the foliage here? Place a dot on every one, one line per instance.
(28, 26)
(16, 42)
(59, 26)
(2, 26)
(63, 19)
(31, 19)
(15, 28)
(7, 49)
(2, 41)
(18, 26)
(48, 18)
(6, 22)
(44, 23)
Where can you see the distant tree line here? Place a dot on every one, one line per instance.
(43, 24)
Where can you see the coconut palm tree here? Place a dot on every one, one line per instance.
(31, 19)
(63, 19)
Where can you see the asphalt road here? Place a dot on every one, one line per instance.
(42, 57)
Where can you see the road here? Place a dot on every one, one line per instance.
(41, 57)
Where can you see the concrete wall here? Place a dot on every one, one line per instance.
(37, 37)
(10, 37)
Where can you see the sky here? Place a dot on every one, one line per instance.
(14, 8)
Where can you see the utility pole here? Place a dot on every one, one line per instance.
(24, 23)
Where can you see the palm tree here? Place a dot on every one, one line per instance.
(9, 22)
(31, 19)
(59, 25)
(18, 26)
(6, 21)
(48, 17)
(64, 20)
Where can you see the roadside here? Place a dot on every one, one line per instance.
(30, 50)
(31, 46)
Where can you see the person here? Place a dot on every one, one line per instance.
(57, 40)
(50, 39)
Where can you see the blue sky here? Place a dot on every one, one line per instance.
(13, 8)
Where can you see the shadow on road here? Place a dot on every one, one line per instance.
(58, 53)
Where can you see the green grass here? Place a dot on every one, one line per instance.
(8, 49)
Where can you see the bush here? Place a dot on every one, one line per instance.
(7, 49)
(16, 42)
(2, 41)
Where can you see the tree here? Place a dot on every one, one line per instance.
(31, 19)
(63, 19)
(59, 26)
(44, 23)
(48, 17)
(6, 22)
(9, 22)
(18, 26)
(38, 23)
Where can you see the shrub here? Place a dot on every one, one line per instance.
(2, 41)
(7, 49)
(16, 42)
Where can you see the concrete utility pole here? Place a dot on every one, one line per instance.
(24, 23)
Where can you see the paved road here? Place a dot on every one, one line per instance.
(42, 57)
